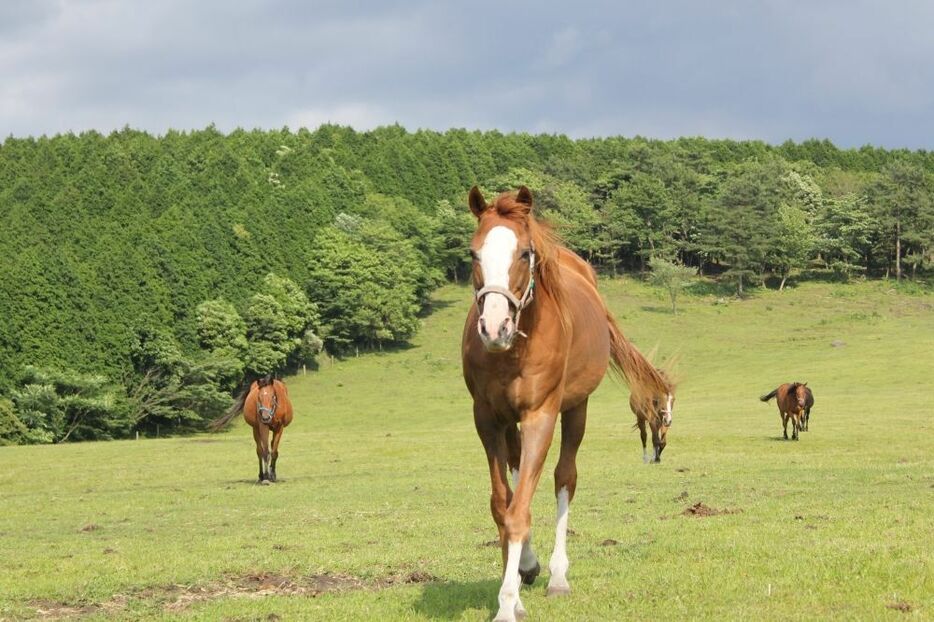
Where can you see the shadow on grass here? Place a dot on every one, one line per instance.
(444, 600)
(434, 306)
(654, 309)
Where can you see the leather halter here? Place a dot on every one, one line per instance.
(519, 303)
(272, 411)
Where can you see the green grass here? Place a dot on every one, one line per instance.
(384, 476)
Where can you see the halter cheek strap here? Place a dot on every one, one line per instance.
(519, 303)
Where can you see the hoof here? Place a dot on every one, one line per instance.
(529, 576)
(559, 590)
(265, 482)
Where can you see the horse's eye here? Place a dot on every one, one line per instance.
(473, 255)
(526, 255)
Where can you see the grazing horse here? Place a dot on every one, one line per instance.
(792, 400)
(659, 420)
(266, 408)
(536, 344)
(808, 404)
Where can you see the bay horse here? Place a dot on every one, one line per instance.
(808, 404)
(266, 408)
(659, 420)
(537, 342)
(792, 400)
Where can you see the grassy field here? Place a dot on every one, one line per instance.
(382, 513)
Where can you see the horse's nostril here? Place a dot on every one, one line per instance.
(483, 327)
(504, 329)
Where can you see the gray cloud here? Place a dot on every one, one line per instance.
(854, 72)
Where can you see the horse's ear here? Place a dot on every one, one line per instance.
(477, 202)
(524, 196)
(804, 384)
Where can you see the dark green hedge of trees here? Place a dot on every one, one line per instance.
(145, 278)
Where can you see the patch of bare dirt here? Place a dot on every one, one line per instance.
(701, 510)
(176, 597)
(609, 542)
(409, 578)
(901, 605)
(89, 528)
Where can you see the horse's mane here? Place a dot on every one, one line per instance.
(546, 243)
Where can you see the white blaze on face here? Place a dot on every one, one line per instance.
(496, 257)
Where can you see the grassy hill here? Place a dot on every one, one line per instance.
(383, 511)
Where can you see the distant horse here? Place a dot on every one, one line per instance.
(659, 419)
(266, 408)
(536, 344)
(792, 400)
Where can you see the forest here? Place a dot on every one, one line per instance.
(146, 278)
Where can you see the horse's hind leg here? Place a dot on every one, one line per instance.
(573, 423)
(529, 567)
(642, 433)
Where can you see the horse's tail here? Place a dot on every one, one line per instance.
(235, 409)
(644, 380)
(767, 397)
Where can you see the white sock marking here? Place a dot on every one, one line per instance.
(509, 591)
(559, 559)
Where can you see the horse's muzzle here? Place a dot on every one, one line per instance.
(500, 337)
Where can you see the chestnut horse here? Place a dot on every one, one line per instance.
(659, 420)
(266, 408)
(793, 404)
(536, 344)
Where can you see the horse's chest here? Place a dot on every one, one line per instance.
(510, 395)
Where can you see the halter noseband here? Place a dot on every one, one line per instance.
(518, 303)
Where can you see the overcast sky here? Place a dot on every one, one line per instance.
(853, 71)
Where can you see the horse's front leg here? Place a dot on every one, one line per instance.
(644, 436)
(493, 436)
(656, 443)
(261, 434)
(785, 424)
(529, 567)
(257, 438)
(538, 428)
(276, 437)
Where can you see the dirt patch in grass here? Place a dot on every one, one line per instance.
(177, 597)
(900, 605)
(701, 510)
(408, 578)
